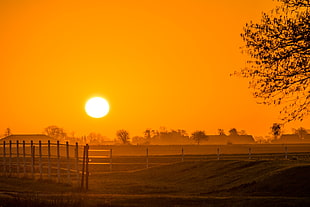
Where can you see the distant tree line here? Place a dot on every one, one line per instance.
(179, 136)
(159, 136)
(162, 136)
(61, 135)
(276, 131)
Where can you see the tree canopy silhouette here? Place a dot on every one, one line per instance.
(279, 63)
(123, 136)
(198, 136)
(55, 132)
(233, 132)
(301, 132)
(276, 130)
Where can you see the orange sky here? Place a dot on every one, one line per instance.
(158, 63)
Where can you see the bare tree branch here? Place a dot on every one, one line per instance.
(279, 64)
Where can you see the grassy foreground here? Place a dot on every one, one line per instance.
(199, 183)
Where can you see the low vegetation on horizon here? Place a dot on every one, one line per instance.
(163, 136)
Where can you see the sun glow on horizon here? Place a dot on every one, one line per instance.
(97, 107)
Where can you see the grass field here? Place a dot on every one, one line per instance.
(200, 180)
(200, 183)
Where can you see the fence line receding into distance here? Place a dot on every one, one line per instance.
(53, 161)
(73, 164)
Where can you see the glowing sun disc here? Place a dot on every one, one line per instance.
(97, 107)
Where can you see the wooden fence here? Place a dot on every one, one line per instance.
(73, 164)
(52, 161)
(101, 159)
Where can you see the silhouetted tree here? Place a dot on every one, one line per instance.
(233, 132)
(165, 136)
(198, 136)
(182, 132)
(301, 132)
(150, 133)
(154, 133)
(55, 132)
(7, 132)
(147, 134)
(123, 136)
(276, 130)
(221, 132)
(279, 67)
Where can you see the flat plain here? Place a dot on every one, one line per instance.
(198, 180)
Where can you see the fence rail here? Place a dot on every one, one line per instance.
(52, 161)
(126, 158)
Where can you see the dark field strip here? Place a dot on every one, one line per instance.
(128, 163)
(204, 182)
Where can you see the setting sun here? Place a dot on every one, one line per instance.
(97, 107)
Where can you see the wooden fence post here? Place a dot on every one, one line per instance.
(77, 160)
(24, 157)
(250, 153)
(10, 157)
(40, 159)
(33, 161)
(4, 158)
(17, 158)
(111, 160)
(218, 153)
(58, 162)
(68, 162)
(83, 168)
(285, 148)
(31, 158)
(147, 157)
(49, 158)
(182, 154)
(86, 168)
